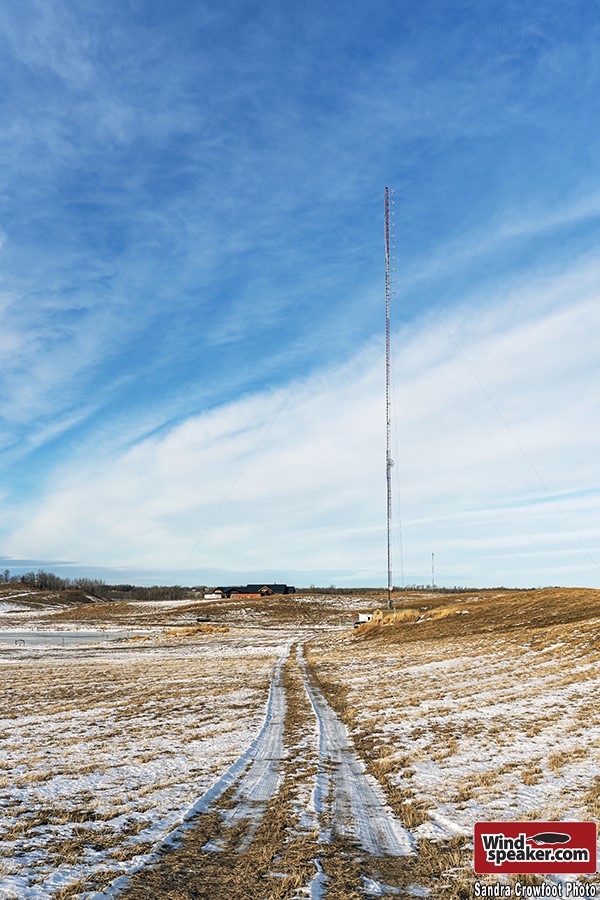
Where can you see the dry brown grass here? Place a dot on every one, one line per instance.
(127, 851)
(500, 612)
(55, 816)
(532, 774)
(111, 714)
(75, 889)
(279, 862)
(557, 760)
(504, 688)
(509, 631)
(471, 787)
(279, 857)
(179, 631)
(592, 799)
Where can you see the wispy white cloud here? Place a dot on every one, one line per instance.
(505, 233)
(47, 36)
(292, 479)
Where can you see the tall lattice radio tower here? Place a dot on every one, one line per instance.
(389, 462)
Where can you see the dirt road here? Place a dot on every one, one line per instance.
(296, 816)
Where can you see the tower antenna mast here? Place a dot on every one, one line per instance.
(389, 462)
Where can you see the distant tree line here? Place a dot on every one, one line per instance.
(48, 581)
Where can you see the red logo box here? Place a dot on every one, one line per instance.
(534, 848)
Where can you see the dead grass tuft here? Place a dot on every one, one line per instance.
(192, 630)
(74, 889)
(532, 774)
(592, 799)
(557, 760)
(127, 851)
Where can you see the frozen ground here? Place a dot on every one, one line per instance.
(490, 732)
(301, 816)
(382, 745)
(103, 752)
(499, 724)
(355, 803)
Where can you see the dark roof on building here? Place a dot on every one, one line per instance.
(256, 588)
(276, 588)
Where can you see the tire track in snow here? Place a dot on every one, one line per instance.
(343, 794)
(344, 790)
(256, 773)
(261, 779)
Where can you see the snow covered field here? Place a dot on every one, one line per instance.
(478, 736)
(472, 707)
(486, 726)
(102, 752)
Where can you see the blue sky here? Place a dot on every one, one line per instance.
(191, 290)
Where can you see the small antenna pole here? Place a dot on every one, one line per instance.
(389, 462)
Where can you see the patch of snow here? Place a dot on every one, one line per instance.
(358, 807)
(417, 890)
(316, 888)
(373, 888)
(489, 728)
(146, 784)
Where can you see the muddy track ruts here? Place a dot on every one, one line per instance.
(301, 818)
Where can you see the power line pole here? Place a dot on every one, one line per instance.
(433, 570)
(389, 462)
